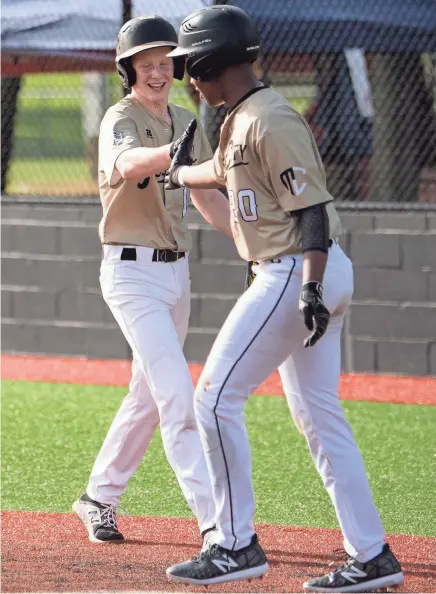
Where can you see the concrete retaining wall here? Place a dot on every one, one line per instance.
(51, 302)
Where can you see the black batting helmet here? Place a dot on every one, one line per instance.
(142, 33)
(215, 38)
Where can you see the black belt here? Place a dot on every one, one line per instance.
(129, 253)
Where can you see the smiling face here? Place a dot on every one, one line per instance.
(154, 74)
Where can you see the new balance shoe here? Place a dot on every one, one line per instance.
(382, 571)
(217, 565)
(99, 519)
(208, 536)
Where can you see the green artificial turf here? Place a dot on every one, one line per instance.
(51, 434)
(48, 172)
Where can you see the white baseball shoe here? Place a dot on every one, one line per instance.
(99, 519)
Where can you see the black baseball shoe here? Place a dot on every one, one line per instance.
(217, 565)
(382, 571)
(99, 519)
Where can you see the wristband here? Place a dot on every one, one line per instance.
(180, 179)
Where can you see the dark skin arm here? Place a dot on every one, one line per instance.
(314, 263)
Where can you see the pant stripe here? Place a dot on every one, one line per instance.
(223, 386)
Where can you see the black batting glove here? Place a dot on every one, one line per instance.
(180, 153)
(190, 130)
(315, 314)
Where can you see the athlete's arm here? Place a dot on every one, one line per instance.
(196, 176)
(140, 162)
(214, 207)
(314, 264)
(137, 163)
(314, 226)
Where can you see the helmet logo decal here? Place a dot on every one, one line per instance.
(201, 42)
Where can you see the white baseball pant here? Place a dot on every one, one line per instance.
(265, 331)
(151, 303)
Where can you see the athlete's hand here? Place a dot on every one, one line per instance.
(190, 131)
(181, 156)
(315, 314)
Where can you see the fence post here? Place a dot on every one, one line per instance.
(10, 92)
(402, 127)
(126, 16)
(95, 99)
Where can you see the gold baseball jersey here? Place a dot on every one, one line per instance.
(268, 159)
(143, 212)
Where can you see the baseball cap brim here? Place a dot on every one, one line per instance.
(145, 46)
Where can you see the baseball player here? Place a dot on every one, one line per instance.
(290, 317)
(145, 275)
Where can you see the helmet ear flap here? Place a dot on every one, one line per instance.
(127, 72)
(179, 67)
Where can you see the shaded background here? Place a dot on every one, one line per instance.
(363, 73)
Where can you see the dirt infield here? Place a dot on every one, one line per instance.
(371, 388)
(51, 553)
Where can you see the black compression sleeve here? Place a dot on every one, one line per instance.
(314, 225)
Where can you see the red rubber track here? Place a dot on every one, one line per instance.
(51, 553)
(370, 388)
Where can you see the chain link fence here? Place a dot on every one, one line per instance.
(363, 73)
(50, 125)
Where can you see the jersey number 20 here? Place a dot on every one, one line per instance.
(246, 205)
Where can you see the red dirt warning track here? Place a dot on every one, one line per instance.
(51, 553)
(371, 388)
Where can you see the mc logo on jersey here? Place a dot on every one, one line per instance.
(289, 180)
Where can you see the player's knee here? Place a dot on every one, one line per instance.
(204, 402)
(205, 391)
(300, 422)
(178, 408)
(180, 415)
(147, 417)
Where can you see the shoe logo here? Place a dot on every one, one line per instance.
(353, 572)
(94, 515)
(225, 563)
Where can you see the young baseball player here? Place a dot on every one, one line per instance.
(291, 316)
(145, 276)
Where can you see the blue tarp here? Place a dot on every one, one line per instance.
(296, 26)
(59, 26)
(300, 26)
